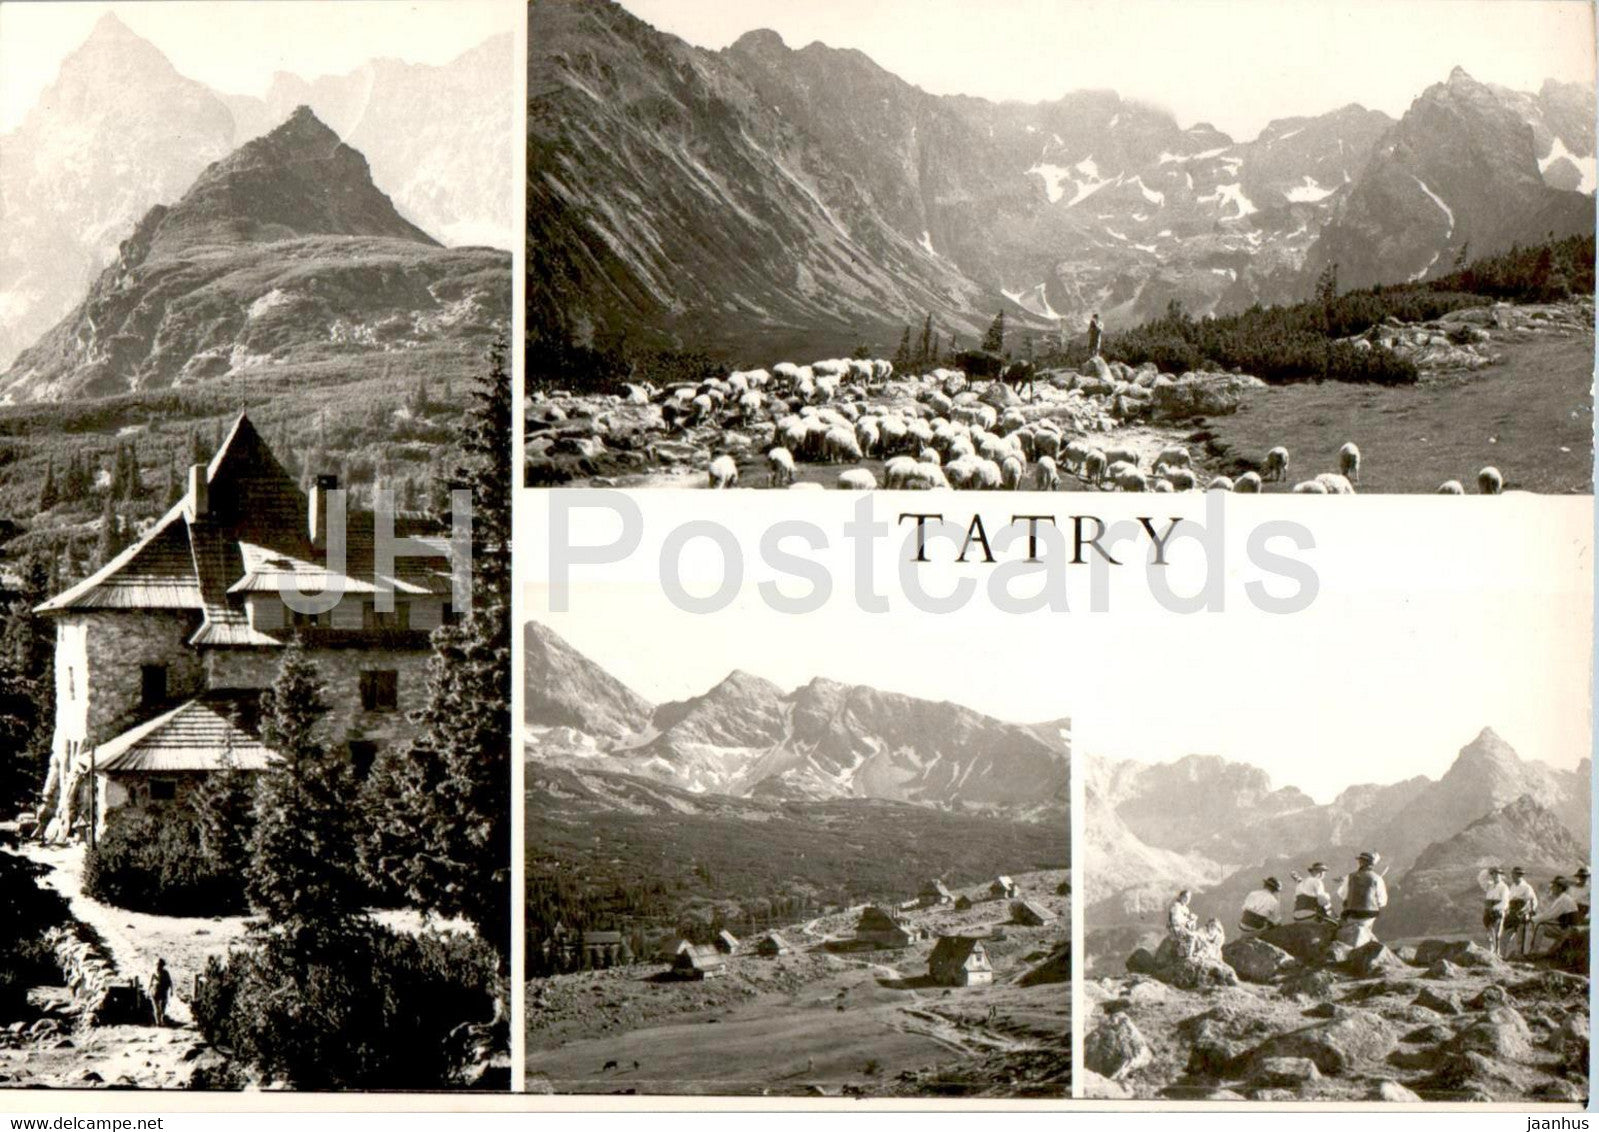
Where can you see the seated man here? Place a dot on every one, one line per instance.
(1364, 892)
(1261, 908)
(1208, 943)
(1561, 915)
(1579, 892)
(1311, 898)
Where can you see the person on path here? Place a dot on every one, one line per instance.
(160, 990)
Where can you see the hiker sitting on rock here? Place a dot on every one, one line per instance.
(1495, 900)
(159, 990)
(1364, 893)
(1261, 908)
(1561, 916)
(1208, 943)
(1579, 893)
(1522, 908)
(1182, 925)
(1312, 901)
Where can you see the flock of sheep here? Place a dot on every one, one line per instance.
(816, 414)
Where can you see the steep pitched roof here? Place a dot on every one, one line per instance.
(250, 536)
(953, 952)
(206, 733)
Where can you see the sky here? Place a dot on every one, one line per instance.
(1234, 63)
(235, 46)
(1427, 628)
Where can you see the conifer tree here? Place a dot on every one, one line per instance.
(439, 814)
(994, 340)
(927, 351)
(902, 356)
(110, 542)
(49, 493)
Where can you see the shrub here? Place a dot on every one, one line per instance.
(154, 862)
(364, 1008)
(26, 910)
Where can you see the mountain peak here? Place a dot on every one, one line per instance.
(1459, 74)
(761, 40)
(1487, 750)
(110, 26)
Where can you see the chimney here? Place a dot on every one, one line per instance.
(199, 492)
(319, 508)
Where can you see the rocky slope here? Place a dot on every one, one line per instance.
(1441, 1021)
(563, 688)
(120, 131)
(282, 251)
(1467, 164)
(746, 737)
(808, 199)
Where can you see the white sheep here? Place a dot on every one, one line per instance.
(1093, 467)
(781, 463)
(1335, 483)
(1221, 483)
(867, 436)
(896, 470)
(857, 479)
(1310, 487)
(807, 485)
(1490, 482)
(1248, 484)
(926, 477)
(1276, 464)
(882, 370)
(723, 472)
(1011, 421)
(1349, 462)
(929, 456)
(1451, 487)
(1122, 456)
(1011, 471)
(1159, 486)
(1074, 455)
(1182, 479)
(1046, 477)
(1128, 478)
(1174, 457)
(839, 445)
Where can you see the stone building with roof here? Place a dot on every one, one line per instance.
(162, 654)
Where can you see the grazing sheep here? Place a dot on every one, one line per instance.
(1451, 487)
(1011, 472)
(1221, 483)
(1174, 457)
(929, 456)
(1349, 462)
(1046, 442)
(857, 479)
(926, 477)
(704, 407)
(1310, 487)
(1011, 422)
(974, 472)
(882, 370)
(723, 472)
(867, 436)
(1130, 479)
(1159, 486)
(1093, 467)
(1335, 483)
(781, 463)
(808, 485)
(749, 405)
(839, 445)
(1122, 456)
(1182, 479)
(1248, 484)
(897, 470)
(1075, 454)
(893, 435)
(1045, 475)
(1276, 464)
(1490, 482)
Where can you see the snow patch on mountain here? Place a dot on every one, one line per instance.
(1436, 199)
(1586, 166)
(1308, 193)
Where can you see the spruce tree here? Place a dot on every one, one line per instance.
(301, 875)
(902, 356)
(926, 352)
(439, 822)
(49, 493)
(110, 541)
(224, 806)
(176, 487)
(132, 480)
(994, 340)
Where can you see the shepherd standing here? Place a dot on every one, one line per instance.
(160, 989)
(1094, 335)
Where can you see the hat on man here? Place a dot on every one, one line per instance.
(1318, 867)
(1273, 885)
(1370, 857)
(1518, 872)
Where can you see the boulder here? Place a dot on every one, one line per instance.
(1503, 1034)
(1460, 952)
(1489, 997)
(1356, 934)
(1115, 1048)
(1304, 941)
(1203, 395)
(1470, 1076)
(1443, 969)
(1097, 1087)
(1372, 960)
(1311, 984)
(1394, 1093)
(1142, 962)
(1255, 960)
(1561, 1089)
(1193, 974)
(1440, 1002)
(1429, 1035)
(1146, 991)
(1570, 953)
(1286, 1072)
(1334, 1046)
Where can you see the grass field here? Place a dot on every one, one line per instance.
(1531, 416)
